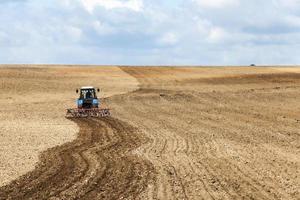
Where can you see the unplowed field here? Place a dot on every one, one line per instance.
(184, 133)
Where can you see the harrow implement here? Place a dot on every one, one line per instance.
(92, 112)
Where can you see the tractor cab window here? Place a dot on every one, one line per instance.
(87, 94)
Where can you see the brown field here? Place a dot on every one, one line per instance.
(174, 133)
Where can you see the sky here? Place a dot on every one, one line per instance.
(150, 32)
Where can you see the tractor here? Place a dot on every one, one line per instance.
(87, 104)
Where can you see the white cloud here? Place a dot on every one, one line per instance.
(292, 20)
(217, 34)
(66, 3)
(135, 5)
(203, 26)
(289, 3)
(150, 31)
(102, 29)
(210, 32)
(168, 39)
(74, 32)
(217, 3)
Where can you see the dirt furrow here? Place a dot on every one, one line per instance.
(97, 165)
(224, 137)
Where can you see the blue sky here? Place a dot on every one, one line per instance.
(144, 32)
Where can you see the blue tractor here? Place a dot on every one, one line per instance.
(88, 104)
(87, 98)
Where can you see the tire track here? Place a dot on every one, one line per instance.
(98, 164)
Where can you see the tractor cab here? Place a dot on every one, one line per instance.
(87, 98)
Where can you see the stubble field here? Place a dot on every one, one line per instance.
(174, 133)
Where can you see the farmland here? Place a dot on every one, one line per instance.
(174, 133)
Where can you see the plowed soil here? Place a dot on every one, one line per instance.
(33, 102)
(184, 133)
(94, 166)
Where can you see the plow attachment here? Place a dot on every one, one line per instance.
(93, 112)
